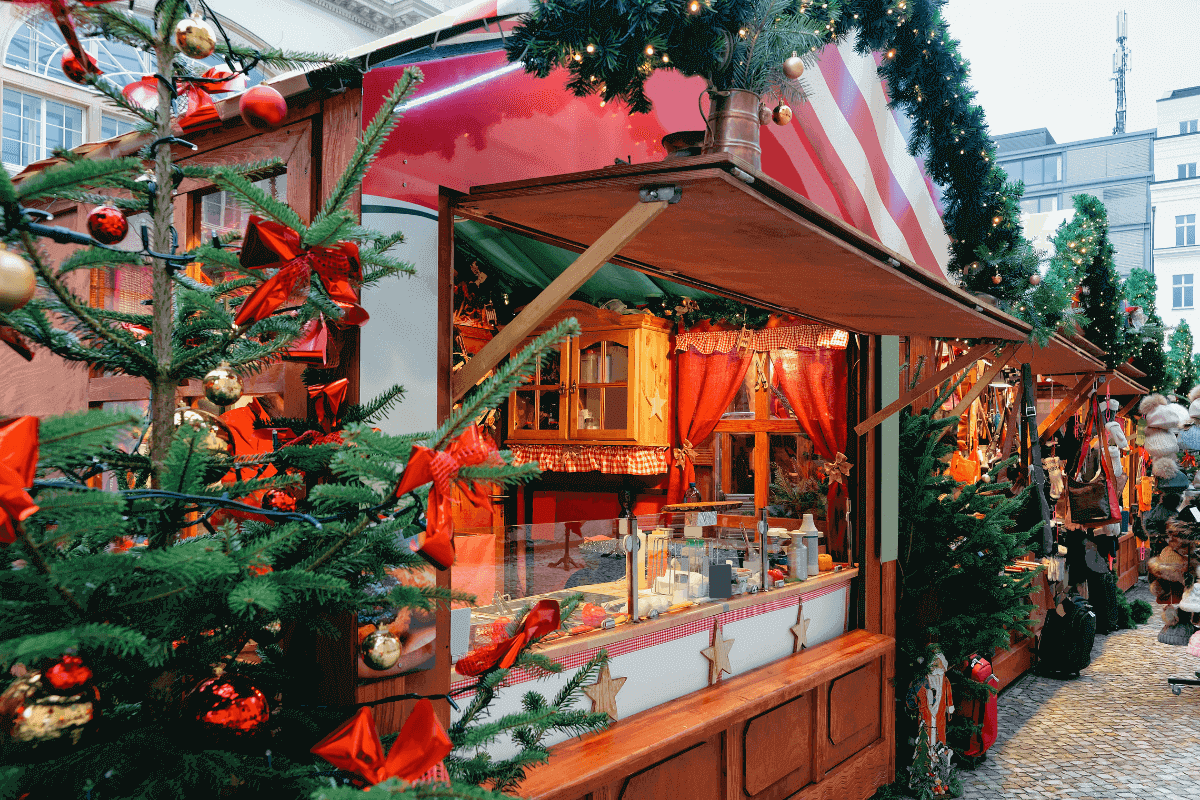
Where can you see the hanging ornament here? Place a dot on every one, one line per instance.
(270, 633)
(195, 37)
(222, 385)
(1035, 279)
(69, 672)
(228, 705)
(793, 67)
(17, 282)
(263, 108)
(381, 649)
(217, 439)
(782, 114)
(143, 93)
(33, 713)
(77, 70)
(278, 500)
(107, 225)
(996, 279)
(764, 113)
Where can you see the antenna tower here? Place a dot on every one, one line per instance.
(1120, 67)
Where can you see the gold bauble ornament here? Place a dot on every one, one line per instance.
(33, 713)
(17, 282)
(195, 37)
(782, 114)
(1035, 279)
(222, 385)
(381, 649)
(793, 67)
(218, 439)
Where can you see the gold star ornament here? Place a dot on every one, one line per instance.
(603, 693)
(718, 655)
(800, 630)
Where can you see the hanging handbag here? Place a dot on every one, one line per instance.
(1094, 502)
(1037, 472)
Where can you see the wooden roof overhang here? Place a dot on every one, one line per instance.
(738, 233)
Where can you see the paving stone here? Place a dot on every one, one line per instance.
(1114, 733)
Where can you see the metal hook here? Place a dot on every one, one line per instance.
(153, 146)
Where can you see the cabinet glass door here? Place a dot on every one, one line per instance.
(601, 408)
(537, 408)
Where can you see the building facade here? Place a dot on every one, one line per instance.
(1175, 202)
(1116, 169)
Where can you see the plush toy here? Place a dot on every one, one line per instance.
(1054, 471)
(1190, 439)
(1163, 419)
(1117, 441)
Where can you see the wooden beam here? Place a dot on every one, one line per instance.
(1067, 407)
(1125, 409)
(560, 289)
(977, 388)
(963, 361)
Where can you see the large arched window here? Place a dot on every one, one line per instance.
(38, 47)
(36, 120)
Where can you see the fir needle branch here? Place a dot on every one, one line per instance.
(77, 308)
(35, 556)
(333, 550)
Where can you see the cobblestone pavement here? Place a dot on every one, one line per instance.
(1114, 732)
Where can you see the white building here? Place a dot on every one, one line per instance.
(1175, 204)
(42, 110)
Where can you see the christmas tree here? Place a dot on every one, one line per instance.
(1179, 367)
(955, 595)
(1144, 344)
(167, 571)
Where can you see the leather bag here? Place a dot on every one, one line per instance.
(1095, 502)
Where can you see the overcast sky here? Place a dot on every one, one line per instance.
(1048, 63)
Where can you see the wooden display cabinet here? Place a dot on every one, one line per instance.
(609, 385)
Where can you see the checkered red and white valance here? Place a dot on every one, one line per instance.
(794, 337)
(610, 459)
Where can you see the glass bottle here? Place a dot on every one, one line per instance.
(693, 494)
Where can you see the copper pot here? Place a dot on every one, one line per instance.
(733, 126)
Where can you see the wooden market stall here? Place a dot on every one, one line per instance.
(683, 728)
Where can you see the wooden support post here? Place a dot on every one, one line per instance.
(977, 388)
(1125, 409)
(966, 359)
(1067, 407)
(560, 289)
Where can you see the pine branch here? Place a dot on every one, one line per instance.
(240, 186)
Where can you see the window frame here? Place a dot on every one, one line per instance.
(43, 147)
(1182, 291)
(1185, 230)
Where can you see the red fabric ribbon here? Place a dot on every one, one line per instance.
(441, 468)
(268, 244)
(355, 746)
(542, 619)
(18, 462)
(202, 112)
(327, 401)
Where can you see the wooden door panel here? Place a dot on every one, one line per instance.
(777, 749)
(692, 774)
(854, 712)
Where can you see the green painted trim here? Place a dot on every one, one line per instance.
(412, 212)
(889, 455)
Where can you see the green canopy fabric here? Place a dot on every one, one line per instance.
(537, 264)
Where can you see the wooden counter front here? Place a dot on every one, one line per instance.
(818, 725)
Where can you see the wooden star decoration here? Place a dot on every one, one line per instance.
(718, 655)
(800, 630)
(603, 693)
(657, 403)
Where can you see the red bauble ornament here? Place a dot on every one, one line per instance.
(278, 500)
(76, 70)
(228, 705)
(68, 673)
(996, 279)
(107, 225)
(263, 108)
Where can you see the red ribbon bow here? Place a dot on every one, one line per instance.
(327, 400)
(355, 746)
(441, 468)
(18, 461)
(542, 619)
(269, 244)
(202, 112)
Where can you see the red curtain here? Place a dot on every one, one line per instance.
(814, 383)
(705, 385)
